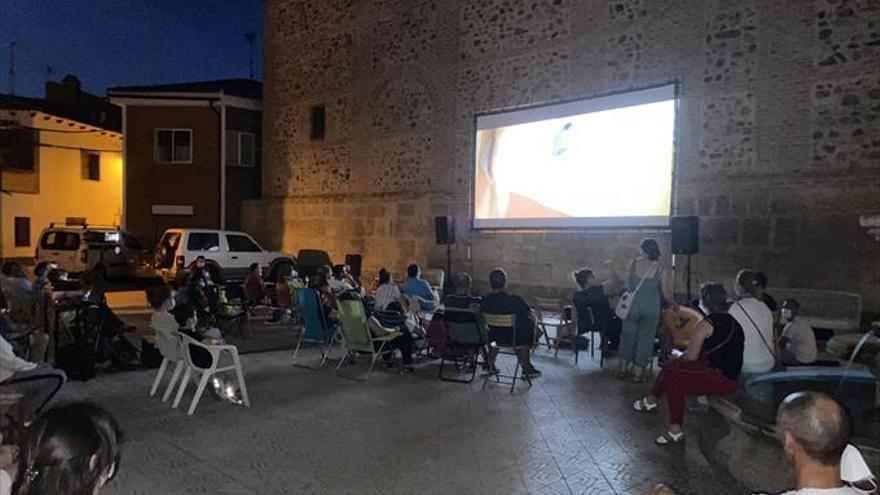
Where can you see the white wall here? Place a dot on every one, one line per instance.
(63, 192)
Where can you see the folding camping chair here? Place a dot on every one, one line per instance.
(465, 341)
(356, 334)
(504, 329)
(315, 327)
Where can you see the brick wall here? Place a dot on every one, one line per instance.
(149, 183)
(779, 147)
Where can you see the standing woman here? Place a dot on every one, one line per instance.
(649, 286)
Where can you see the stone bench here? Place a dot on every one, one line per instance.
(835, 310)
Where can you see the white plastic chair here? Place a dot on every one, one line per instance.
(169, 346)
(217, 351)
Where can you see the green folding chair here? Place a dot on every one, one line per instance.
(466, 341)
(356, 336)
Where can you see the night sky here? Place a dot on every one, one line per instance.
(127, 42)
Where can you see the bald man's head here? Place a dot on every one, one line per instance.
(816, 423)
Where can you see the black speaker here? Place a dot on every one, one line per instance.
(444, 230)
(685, 234)
(354, 262)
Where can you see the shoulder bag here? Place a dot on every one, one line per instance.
(758, 330)
(624, 304)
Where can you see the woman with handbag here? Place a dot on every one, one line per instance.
(710, 366)
(639, 308)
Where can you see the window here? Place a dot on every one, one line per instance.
(60, 241)
(130, 242)
(173, 145)
(91, 165)
(240, 149)
(22, 231)
(319, 115)
(17, 149)
(199, 241)
(242, 244)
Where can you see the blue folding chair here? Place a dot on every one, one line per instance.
(315, 327)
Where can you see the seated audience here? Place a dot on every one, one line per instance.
(199, 268)
(166, 315)
(162, 301)
(203, 289)
(500, 302)
(95, 287)
(770, 301)
(188, 324)
(461, 296)
(320, 283)
(402, 343)
(798, 341)
(814, 432)
(756, 321)
(37, 383)
(710, 365)
(387, 292)
(15, 281)
(594, 312)
(341, 280)
(60, 283)
(415, 285)
(70, 450)
(41, 273)
(461, 306)
(254, 288)
(284, 294)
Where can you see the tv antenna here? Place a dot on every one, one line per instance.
(249, 36)
(11, 81)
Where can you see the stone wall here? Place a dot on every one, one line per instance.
(779, 136)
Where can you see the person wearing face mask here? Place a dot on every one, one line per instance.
(797, 342)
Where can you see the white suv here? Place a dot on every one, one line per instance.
(228, 254)
(78, 248)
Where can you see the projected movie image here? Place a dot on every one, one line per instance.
(606, 162)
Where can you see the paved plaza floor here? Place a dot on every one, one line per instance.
(312, 432)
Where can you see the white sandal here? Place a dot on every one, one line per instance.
(670, 437)
(642, 405)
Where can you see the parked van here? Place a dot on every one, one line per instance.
(78, 248)
(228, 254)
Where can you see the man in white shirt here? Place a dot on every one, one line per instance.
(36, 383)
(341, 281)
(798, 341)
(756, 321)
(815, 431)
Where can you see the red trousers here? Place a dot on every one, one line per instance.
(679, 382)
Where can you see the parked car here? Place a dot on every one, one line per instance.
(309, 260)
(228, 254)
(78, 248)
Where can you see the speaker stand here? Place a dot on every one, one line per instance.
(448, 262)
(688, 276)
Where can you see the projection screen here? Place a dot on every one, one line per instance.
(598, 162)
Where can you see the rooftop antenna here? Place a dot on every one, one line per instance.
(11, 82)
(249, 36)
(49, 69)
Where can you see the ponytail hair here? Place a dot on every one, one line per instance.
(651, 248)
(69, 450)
